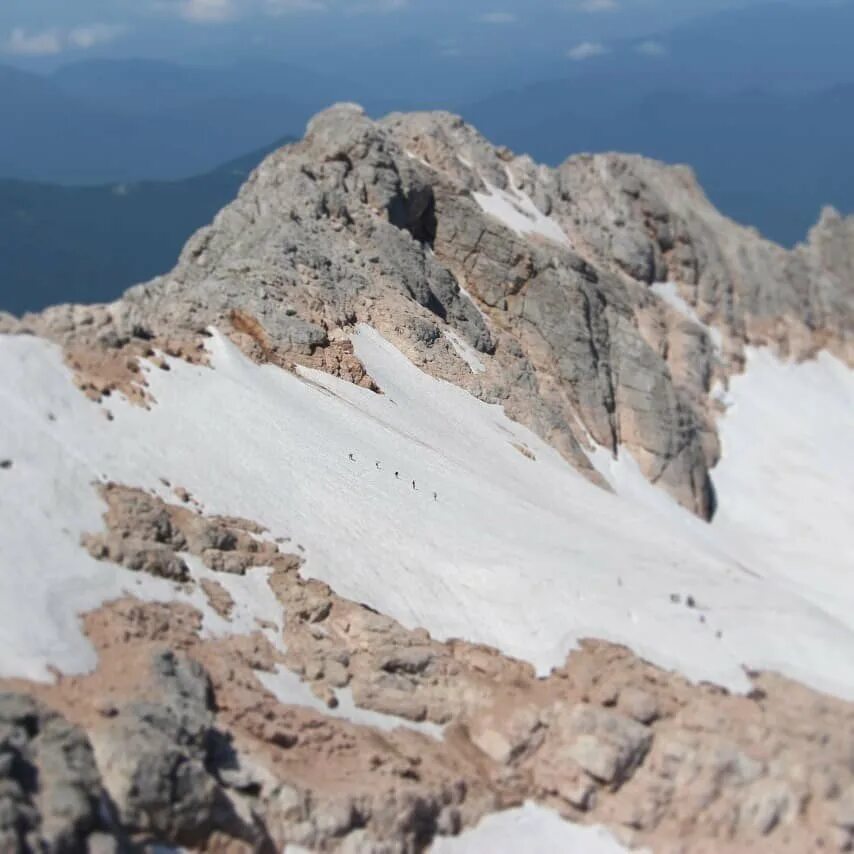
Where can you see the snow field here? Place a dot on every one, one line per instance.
(530, 829)
(515, 209)
(525, 555)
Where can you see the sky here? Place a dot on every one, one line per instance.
(46, 33)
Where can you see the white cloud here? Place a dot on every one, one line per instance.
(599, 5)
(92, 35)
(652, 48)
(377, 6)
(22, 42)
(498, 18)
(286, 7)
(218, 11)
(586, 50)
(207, 11)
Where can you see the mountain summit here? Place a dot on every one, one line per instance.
(430, 483)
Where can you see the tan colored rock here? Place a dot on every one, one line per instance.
(605, 744)
(219, 598)
(708, 772)
(638, 704)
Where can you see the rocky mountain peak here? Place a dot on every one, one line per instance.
(558, 277)
(303, 520)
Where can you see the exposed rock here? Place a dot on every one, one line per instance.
(158, 758)
(145, 534)
(218, 596)
(606, 745)
(843, 812)
(50, 789)
(767, 804)
(638, 704)
(376, 222)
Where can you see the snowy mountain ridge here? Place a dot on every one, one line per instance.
(552, 466)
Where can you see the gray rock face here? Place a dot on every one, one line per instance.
(652, 223)
(378, 222)
(605, 744)
(158, 760)
(152, 772)
(50, 788)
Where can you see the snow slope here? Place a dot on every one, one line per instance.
(522, 554)
(786, 483)
(669, 292)
(515, 209)
(530, 829)
(466, 352)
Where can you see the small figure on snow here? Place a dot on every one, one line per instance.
(435, 497)
(397, 474)
(378, 464)
(413, 484)
(352, 458)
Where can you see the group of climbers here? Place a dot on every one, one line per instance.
(396, 474)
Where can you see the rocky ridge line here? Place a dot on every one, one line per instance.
(380, 222)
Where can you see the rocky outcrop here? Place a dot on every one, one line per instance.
(50, 789)
(192, 749)
(158, 758)
(384, 222)
(146, 534)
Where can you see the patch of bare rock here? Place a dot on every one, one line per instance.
(144, 533)
(174, 739)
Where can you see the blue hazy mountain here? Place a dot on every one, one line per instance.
(117, 122)
(759, 101)
(88, 244)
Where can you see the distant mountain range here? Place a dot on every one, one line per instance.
(111, 121)
(759, 101)
(88, 244)
(766, 160)
(135, 119)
